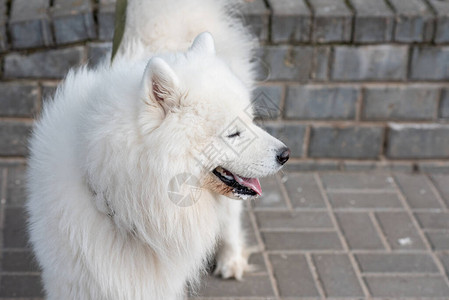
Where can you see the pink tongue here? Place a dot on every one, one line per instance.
(252, 183)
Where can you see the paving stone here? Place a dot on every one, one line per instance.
(364, 200)
(433, 220)
(293, 220)
(290, 63)
(337, 276)
(414, 21)
(303, 191)
(356, 181)
(251, 286)
(21, 286)
(441, 9)
(48, 91)
(29, 24)
(271, 194)
(321, 60)
(400, 103)
(405, 286)
(98, 52)
(256, 16)
(15, 232)
(396, 263)
(332, 21)
(373, 21)
(3, 25)
(430, 63)
(301, 240)
(15, 185)
(266, 101)
(13, 138)
(418, 141)
(293, 276)
(291, 135)
(444, 104)
(290, 21)
(19, 261)
(345, 142)
(417, 191)
(106, 19)
(382, 62)
(47, 64)
(73, 21)
(438, 240)
(399, 230)
(396, 166)
(436, 167)
(320, 102)
(311, 165)
(18, 99)
(440, 182)
(359, 231)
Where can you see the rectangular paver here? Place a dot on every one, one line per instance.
(417, 191)
(357, 181)
(399, 230)
(403, 286)
(359, 231)
(293, 220)
(291, 20)
(364, 200)
(441, 183)
(337, 275)
(293, 276)
(301, 240)
(303, 191)
(271, 194)
(396, 263)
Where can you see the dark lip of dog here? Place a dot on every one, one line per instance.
(241, 187)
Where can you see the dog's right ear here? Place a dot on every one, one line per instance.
(161, 85)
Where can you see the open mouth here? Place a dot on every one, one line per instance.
(241, 186)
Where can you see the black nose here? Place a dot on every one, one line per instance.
(283, 155)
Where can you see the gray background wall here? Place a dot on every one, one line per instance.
(351, 84)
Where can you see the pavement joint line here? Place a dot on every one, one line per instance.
(343, 241)
(379, 231)
(284, 192)
(420, 232)
(399, 274)
(271, 276)
(316, 277)
(360, 191)
(289, 229)
(440, 230)
(437, 193)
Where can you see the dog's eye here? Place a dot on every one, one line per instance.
(235, 134)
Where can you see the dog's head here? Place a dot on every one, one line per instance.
(205, 116)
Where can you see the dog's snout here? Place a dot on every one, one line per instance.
(283, 155)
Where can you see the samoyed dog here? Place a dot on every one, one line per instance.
(110, 150)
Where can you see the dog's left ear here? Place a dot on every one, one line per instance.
(204, 42)
(161, 84)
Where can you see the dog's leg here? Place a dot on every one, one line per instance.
(232, 259)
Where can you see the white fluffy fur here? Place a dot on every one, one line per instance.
(101, 223)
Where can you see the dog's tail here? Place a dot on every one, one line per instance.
(156, 26)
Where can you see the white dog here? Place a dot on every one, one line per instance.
(110, 148)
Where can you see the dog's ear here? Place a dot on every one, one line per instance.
(204, 42)
(161, 84)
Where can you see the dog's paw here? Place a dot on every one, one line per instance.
(232, 266)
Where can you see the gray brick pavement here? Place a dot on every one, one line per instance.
(327, 235)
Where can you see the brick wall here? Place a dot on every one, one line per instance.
(352, 84)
